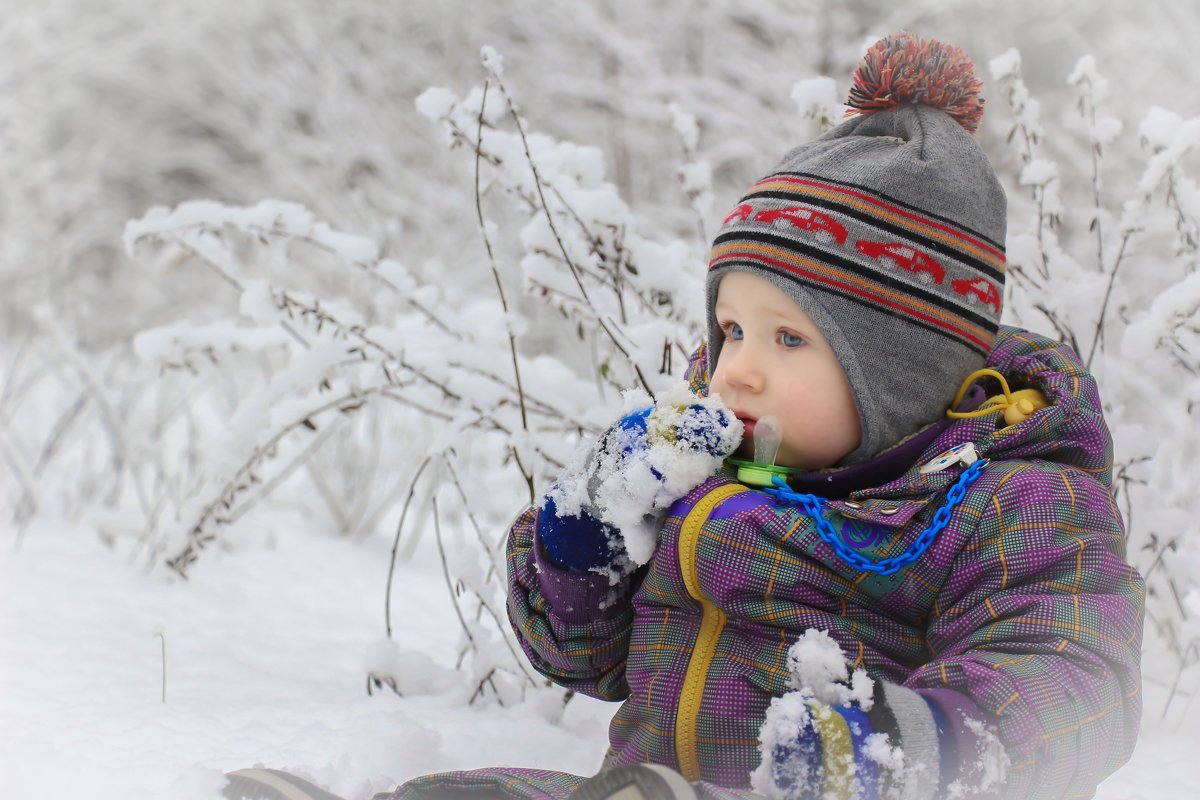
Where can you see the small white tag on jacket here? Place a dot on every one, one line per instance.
(962, 454)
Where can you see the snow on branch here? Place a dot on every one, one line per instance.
(336, 362)
(583, 254)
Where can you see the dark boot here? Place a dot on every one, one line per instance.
(636, 782)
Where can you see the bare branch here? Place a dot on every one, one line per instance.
(387, 595)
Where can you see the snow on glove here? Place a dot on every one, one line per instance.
(815, 740)
(925, 745)
(604, 510)
(812, 751)
(848, 737)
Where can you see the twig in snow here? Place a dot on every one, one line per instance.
(163, 641)
(537, 181)
(387, 595)
(27, 503)
(487, 241)
(379, 683)
(18, 357)
(437, 530)
(486, 680)
(1098, 336)
(244, 477)
(492, 567)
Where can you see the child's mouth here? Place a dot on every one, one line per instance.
(748, 427)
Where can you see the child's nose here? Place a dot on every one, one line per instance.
(744, 370)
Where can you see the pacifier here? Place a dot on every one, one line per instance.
(768, 435)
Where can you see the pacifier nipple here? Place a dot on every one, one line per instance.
(768, 434)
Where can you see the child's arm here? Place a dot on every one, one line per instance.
(573, 626)
(1038, 631)
(574, 561)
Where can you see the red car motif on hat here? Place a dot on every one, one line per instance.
(806, 220)
(978, 290)
(904, 256)
(741, 213)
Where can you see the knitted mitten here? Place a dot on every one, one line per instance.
(603, 511)
(902, 743)
(813, 750)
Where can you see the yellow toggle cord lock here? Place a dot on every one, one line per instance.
(1017, 406)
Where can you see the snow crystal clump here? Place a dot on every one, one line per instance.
(1192, 601)
(168, 343)
(1006, 65)
(685, 125)
(818, 666)
(347, 246)
(631, 491)
(696, 177)
(410, 672)
(787, 718)
(877, 747)
(1159, 127)
(436, 103)
(1039, 172)
(1085, 72)
(492, 60)
(818, 99)
(988, 769)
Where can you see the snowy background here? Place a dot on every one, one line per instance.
(259, 452)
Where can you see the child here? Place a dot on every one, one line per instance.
(968, 565)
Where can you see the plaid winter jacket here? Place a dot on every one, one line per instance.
(1023, 615)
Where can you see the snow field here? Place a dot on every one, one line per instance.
(265, 652)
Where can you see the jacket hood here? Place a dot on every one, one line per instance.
(1071, 430)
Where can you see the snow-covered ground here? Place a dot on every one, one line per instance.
(265, 664)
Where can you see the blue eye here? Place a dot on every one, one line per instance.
(735, 332)
(790, 339)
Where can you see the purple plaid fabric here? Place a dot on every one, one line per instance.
(1023, 614)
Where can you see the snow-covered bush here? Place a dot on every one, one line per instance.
(434, 374)
(1105, 254)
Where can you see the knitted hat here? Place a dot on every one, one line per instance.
(889, 232)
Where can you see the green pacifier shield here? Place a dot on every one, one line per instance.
(756, 473)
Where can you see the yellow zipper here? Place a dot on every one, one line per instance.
(712, 622)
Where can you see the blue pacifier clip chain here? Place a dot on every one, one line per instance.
(814, 506)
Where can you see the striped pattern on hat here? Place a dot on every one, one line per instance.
(914, 266)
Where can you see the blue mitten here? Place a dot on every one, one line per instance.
(603, 510)
(579, 541)
(813, 750)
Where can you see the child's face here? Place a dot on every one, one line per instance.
(775, 361)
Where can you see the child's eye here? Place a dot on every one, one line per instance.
(789, 339)
(734, 331)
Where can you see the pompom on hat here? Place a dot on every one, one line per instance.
(903, 69)
(889, 232)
